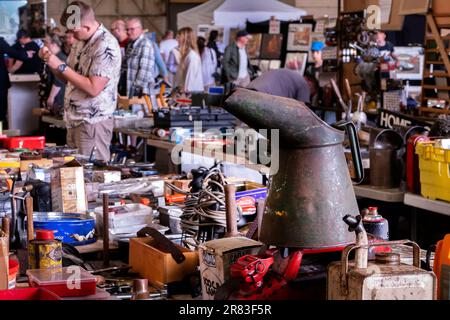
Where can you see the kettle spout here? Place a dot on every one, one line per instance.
(298, 125)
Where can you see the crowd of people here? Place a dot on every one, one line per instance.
(86, 68)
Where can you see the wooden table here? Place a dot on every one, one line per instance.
(95, 247)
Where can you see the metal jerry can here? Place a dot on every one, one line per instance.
(386, 278)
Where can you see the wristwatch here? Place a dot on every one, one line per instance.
(62, 68)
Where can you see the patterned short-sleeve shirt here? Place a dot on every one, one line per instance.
(99, 56)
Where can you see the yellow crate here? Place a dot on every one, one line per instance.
(434, 164)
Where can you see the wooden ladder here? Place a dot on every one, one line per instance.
(435, 45)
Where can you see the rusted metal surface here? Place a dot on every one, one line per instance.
(312, 191)
(384, 279)
(299, 126)
(388, 258)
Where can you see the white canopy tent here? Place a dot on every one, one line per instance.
(235, 13)
(202, 14)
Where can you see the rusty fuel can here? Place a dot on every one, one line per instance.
(386, 278)
(44, 252)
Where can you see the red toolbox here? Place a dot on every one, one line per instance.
(28, 294)
(31, 143)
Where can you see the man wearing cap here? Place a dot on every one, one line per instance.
(236, 65)
(30, 66)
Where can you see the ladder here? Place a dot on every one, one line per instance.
(436, 76)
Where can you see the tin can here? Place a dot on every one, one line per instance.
(45, 252)
(375, 224)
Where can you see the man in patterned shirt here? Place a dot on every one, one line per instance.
(92, 74)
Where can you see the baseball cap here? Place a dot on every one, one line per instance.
(317, 46)
(21, 34)
(242, 33)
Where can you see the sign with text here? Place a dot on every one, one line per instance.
(389, 119)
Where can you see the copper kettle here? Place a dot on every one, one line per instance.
(312, 191)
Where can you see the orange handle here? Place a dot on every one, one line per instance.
(175, 198)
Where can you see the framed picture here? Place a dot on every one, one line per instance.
(275, 64)
(329, 53)
(299, 37)
(264, 65)
(254, 46)
(320, 25)
(411, 65)
(296, 61)
(271, 46)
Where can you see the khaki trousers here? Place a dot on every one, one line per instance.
(86, 136)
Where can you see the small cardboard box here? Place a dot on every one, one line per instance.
(68, 189)
(158, 266)
(216, 258)
(104, 176)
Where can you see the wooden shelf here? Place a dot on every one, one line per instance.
(436, 74)
(435, 50)
(430, 37)
(431, 86)
(434, 62)
(420, 202)
(434, 110)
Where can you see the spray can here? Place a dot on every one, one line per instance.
(375, 224)
(44, 252)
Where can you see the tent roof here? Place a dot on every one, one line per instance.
(202, 14)
(237, 12)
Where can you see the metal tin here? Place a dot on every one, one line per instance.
(44, 254)
(384, 279)
(376, 225)
(71, 228)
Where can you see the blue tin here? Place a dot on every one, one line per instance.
(71, 228)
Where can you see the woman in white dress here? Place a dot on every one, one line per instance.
(209, 62)
(189, 73)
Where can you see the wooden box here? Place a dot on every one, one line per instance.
(68, 189)
(4, 254)
(152, 263)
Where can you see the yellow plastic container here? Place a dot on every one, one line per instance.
(434, 165)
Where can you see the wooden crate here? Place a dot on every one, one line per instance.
(158, 266)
